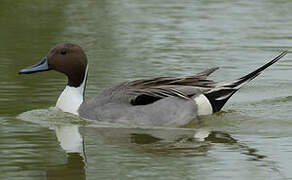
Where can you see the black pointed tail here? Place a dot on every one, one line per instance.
(224, 90)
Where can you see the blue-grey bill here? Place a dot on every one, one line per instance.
(42, 66)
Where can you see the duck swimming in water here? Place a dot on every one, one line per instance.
(162, 101)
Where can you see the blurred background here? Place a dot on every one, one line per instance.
(130, 39)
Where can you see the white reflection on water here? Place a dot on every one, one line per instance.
(69, 138)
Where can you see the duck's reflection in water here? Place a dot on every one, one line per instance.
(154, 140)
(159, 141)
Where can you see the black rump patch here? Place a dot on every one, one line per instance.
(219, 97)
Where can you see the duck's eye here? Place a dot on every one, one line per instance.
(63, 52)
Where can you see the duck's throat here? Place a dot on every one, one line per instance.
(72, 97)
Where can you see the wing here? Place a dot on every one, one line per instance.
(150, 90)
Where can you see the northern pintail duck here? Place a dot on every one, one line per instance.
(162, 101)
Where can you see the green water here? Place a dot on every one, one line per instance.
(130, 39)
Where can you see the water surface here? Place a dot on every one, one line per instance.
(129, 39)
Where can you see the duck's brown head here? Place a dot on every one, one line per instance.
(66, 58)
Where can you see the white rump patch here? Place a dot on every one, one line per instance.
(203, 104)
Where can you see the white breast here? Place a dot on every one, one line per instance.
(70, 100)
(203, 104)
